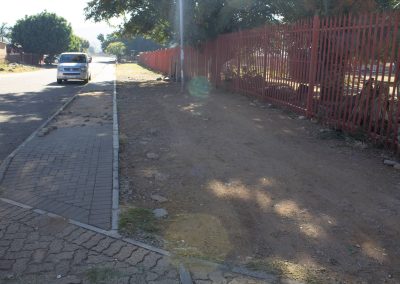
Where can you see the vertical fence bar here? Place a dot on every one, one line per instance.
(313, 64)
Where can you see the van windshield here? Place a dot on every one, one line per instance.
(72, 58)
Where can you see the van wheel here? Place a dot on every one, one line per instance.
(59, 81)
(85, 81)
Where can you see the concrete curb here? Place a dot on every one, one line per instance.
(6, 162)
(184, 275)
(115, 190)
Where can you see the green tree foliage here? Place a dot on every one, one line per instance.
(44, 33)
(78, 44)
(4, 31)
(293, 10)
(116, 48)
(204, 19)
(138, 43)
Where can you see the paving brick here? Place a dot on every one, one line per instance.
(20, 265)
(125, 252)
(58, 257)
(103, 244)
(38, 255)
(151, 259)
(18, 254)
(40, 268)
(94, 241)
(6, 264)
(56, 246)
(137, 256)
(84, 237)
(114, 248)
(79, 256)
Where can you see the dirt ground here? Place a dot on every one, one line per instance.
(250, 184)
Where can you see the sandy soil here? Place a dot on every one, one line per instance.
(253, 185)
(92, 108)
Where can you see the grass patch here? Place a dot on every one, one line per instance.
(286, 269)
(134, 219)
(124, 69)
(198, 235)
(102, 275)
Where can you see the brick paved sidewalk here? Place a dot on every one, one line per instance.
(67, 169)
(37, 248)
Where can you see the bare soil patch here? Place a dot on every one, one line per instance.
(252, 185)
(88, 109)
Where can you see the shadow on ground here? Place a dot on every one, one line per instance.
(251, 186)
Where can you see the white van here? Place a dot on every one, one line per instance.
(74, 65)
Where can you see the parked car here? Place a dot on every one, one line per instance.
(74, 65)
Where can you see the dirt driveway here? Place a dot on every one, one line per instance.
(253, 185)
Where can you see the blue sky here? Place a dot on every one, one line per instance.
(71, 10)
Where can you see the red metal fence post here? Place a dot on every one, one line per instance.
(313, 65)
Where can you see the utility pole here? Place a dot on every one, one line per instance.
(182, 56)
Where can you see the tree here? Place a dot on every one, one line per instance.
(158, 19)
(206, 19)
(116, 48)
(44, 33)
(138, 43)
(4, 31)
(78, 44)
(292, 10)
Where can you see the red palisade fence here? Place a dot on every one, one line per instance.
(343, 70)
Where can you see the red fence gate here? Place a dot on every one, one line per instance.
(343, 70)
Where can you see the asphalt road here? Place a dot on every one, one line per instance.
(28, 99)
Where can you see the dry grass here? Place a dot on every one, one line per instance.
(16, 68)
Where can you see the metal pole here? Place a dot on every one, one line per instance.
(181, 43)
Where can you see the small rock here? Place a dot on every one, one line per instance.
(160, 213)
(389, 163)
(333, 261)
(160, 176)
(302, 117)
(158, 198)
(159, 79)
(59, 276)
(167, 79)
(152, 156)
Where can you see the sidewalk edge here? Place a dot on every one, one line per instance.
(115, 183)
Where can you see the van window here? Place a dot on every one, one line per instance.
(72, 58)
